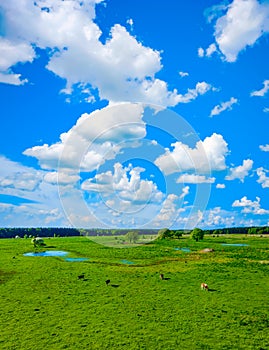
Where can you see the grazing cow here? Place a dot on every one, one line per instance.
(161, 276)
(107, 282)
(81, 277)
(204, 286)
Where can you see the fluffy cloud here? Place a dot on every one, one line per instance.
(26, 181)
(132, 189)
(262, 91)
(264, 148)
(119, 69)
(223, 107)
(201, 52)
(241, 171)
(95, 138)
(12, 53)
(242, 25)
(200, 89)
(195, 179)
(207, 155)
(168, 212)
(249, 206)
(217, 217)
(185, 192)
(208, 52)
(17, 180)
(183, 74)
(263, 179)
(31, 200)
(61, 178)
(220, 186)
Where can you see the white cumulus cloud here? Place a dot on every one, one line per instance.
(117, 68)
(263, 179)
(249, 206)
(11, 53)
(262, 91)
(195, 179)
(207, 155)
(264, 148)
(95, 138)
(124, 183)
(221, 186)
(244, 22)
(223, 106)
(241, 171)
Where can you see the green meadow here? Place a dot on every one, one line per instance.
(44, 305)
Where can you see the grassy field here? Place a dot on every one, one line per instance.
(44, 305)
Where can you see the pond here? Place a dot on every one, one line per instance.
(47, 253)
(59, 253)
(235, 244)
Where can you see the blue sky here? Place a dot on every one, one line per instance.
(134, 113)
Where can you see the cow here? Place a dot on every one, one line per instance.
(161, 276)
(204, 286)
(107, 282)
(81, 277)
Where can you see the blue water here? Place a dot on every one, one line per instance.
(127, 262)
(185, 250)
(236, 244)
(48, 253)
(75, 259)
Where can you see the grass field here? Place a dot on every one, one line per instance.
(45, 306)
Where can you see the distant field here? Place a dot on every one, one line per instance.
(117, 241)
(44, 305)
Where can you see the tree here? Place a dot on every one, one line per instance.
(197, 234)
(132, 236)
(164, 233)
(178, 234)
(38, 242)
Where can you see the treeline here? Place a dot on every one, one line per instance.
(116, 232)
(38, 232)
(255, 230)
(66, 232)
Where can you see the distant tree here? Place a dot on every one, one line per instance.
(164, 233)
(178, 234)
(132, 236)
(38, 242)
(252, 231)
(197, 234)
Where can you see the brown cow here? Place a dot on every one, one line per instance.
(204, 286)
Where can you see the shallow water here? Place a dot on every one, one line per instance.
(185, 250)
(236, 244)
(127, 262)
(47, 253)
(75, 259)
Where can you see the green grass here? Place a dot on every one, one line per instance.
(44, 305)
